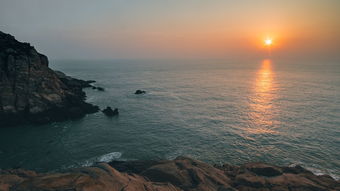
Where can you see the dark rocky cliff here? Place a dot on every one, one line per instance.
(169, 175)
(31, 92)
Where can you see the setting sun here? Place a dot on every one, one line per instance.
(249, 89)
(268, 42)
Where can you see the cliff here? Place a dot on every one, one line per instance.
(168, 175)
(31, 92)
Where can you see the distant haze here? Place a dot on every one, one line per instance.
(109, 29)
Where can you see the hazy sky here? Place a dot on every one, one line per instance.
(105, 29)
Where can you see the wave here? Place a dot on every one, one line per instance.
(103, 158)
(317, 171)
(109, 157)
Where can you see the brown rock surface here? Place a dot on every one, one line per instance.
(100, 177)
(261, 176)
(32, 92)
(165, 175)
(188, 174)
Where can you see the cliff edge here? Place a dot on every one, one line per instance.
(31, 92)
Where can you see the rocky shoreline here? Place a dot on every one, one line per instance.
(31, 92)
(183, 173)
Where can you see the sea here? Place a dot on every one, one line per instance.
(285, 112)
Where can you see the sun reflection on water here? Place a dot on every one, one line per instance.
(261, 102)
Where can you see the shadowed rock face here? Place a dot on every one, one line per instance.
(30, 92)
(168, 175)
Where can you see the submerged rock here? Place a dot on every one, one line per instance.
(31, 92)
(100, 89)
(109, 112)
(140, 92)
(181, 174)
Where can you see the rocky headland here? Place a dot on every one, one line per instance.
(168, 175)
(31, 92)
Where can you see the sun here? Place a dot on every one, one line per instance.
(268, 42)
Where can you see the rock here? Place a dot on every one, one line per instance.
(262, 169)
(140, 92)
(100, 89)
(188, 174)
(296, 182)
(109, 112)
(100, 177)
(261, 176)
(181, 174)
(90, 81)
(135, 166)
(72, 82)
(30, 92)
(250, 180)
(295, 170)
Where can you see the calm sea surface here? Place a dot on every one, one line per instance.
(282, 112)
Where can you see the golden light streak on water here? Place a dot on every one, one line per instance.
(261, 102)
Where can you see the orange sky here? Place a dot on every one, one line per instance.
(177, 29)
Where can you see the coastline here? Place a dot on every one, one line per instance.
(182, 173)
(31, 92)
(67, 101)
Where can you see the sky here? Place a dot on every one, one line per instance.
(133, 29)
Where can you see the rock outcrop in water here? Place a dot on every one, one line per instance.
(109, 112)
(169, 175)
(98, 88)
(31, 92)
(138, 92)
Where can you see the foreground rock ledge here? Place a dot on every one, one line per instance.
(31, 92)
(168, 175)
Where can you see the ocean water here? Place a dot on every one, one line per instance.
(276, 111)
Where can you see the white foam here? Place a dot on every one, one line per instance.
(316, 171)
(104, 158)
(87, 163)
(319, 172)
(109, 157)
